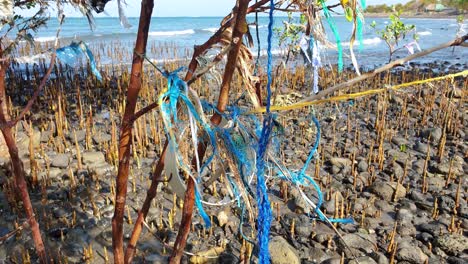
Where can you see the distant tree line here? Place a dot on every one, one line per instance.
(417, 5)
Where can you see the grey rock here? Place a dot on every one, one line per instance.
(455, 260)
(61, 213)
(357, 242)
(362, 166)
(340, 162)
(457, 166)
(379, 258)
(400, 141)
(421, 147)
(388, 190)
(404, 216)
(425, 237)
(60, 161)
(298, 202)
(433, 133)
(362, 260)
(80, 135)
(446, 203)
(332, 261)
(157, 259)
(452, 243)
(101, 138)
(411, 255)
(22, 142)
(317, 255)
(281, 252)
(93, 158)
(433, 228)
(418, 166)
(406, 230)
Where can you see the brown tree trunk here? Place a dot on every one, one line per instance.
(240, 29)
(17, 166)
(156, 179)
(126, 129)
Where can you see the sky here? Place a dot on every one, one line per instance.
(171, 8)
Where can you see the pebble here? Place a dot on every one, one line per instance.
(363, 260)
(452, 243)
(358, 242)
(281, 252)
(421, 147)
(60, 161)
(93, 158)
(388, 190)
(412, 255)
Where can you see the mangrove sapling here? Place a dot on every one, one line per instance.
(125, 141)
(395, 33)
(240, 28)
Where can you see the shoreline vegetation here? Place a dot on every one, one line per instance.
(421, 9)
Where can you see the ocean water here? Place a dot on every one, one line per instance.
(185, 32)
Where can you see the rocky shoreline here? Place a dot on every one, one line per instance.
(395, 163)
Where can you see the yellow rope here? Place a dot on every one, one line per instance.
(357, 95)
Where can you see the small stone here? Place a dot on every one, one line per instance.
(404, 216)
(281, 252)
(446, 203)
(411, 255)
(222, 218)
(101, 138)
(156, 259)
(362, 260)
(93, 158)
(298, 202)
(357, 242)
(317, 255)
(379, 258)
(434, 228)
(433, 133)
(421, 147)
(332, 261)
(340, 162)
(60, 161)
(61, 213)
(388, 190)
(400, 141)
(456, 166)
(406, 230)
(80, 135)
(362, 166)
(452, 243)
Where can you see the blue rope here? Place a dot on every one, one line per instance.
(177, 91)
(363, 4)
(300, 178)
(331, 22)
(263, 203)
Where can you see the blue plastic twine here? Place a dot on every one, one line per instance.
(177, 91)
(359, 32)
(300, 178)
(263, 203)
(363, 4)
(331, 22)
(70, 56)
